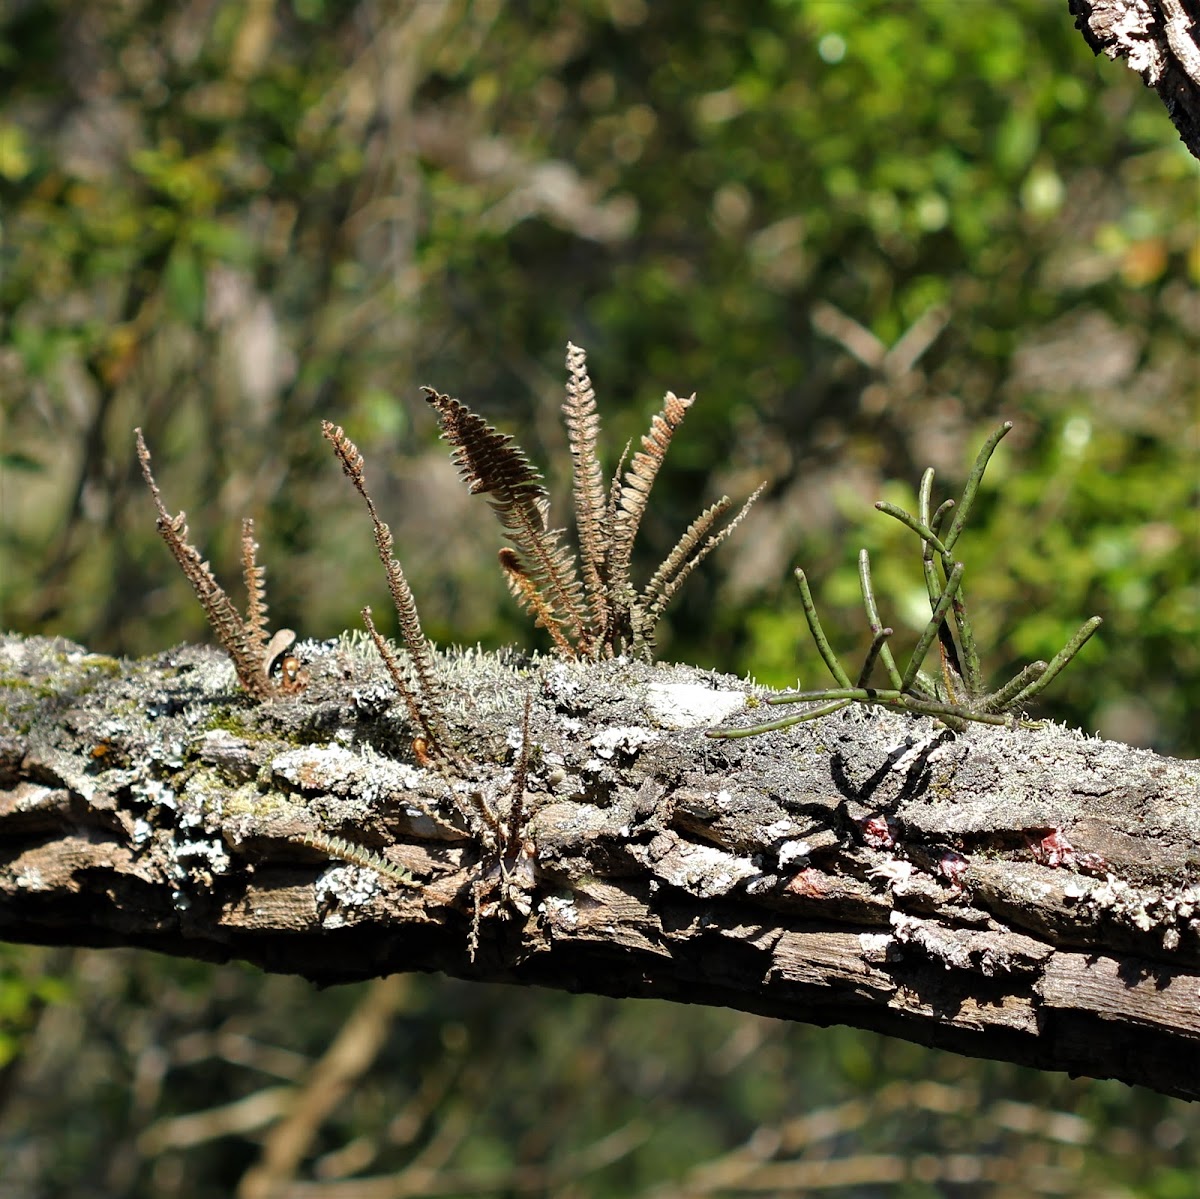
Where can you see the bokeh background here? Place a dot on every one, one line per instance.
(862, 232)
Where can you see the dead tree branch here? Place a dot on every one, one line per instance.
(1031, 895)
(1158, 40)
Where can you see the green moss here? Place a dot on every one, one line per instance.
(231, 720)
(216, 798)
(101, 662)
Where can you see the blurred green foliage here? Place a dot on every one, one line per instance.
(861, 231)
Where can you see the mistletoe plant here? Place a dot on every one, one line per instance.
(955, 694)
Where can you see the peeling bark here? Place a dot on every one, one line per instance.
(1026, 895)
(1159, 40)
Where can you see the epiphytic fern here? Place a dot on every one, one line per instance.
(419, 687)
(600, 614)
(244, 640)
(634, 497)
(591, 503)
(692, 548)
(956, 695)
(542, 573)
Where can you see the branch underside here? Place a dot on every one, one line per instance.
(1017, 894)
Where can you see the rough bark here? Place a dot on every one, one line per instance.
(1032, 895)
(1158, 40)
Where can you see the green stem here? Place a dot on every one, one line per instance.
(972, 675)
(952, 711)
(878, 645)
(818, 634)
(861, 694)
(923, 495)
(921, 529)
(1001, 699)
(931, 629)
(939, 517)
(932, 586)
(1059, 660)
(972, 484)
(868, 594)
(785, 723)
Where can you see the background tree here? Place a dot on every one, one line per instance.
(859, 233)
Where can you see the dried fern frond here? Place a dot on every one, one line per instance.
(591, 508)
(689, 552)
(635, 489)
(244, 641)
(524, 590)
(619, 630)
(614, 494)
(494, 466)
(601, 615)
(423, 695)
(256, 591)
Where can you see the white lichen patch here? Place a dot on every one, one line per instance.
(171, 754)
(32, 880)
(558, 912)
(210, 854)
(629, 739)
(28, 797)
(874, 945)
(563, 682)
(1165, 911)
(794, 851)
(703, 870)
(690, 705)
(154, 792)
(341, 887)
(895, 873)
(768, 834)
(334, 770)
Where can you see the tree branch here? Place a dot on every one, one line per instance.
(1017, 894)
(1158, 40)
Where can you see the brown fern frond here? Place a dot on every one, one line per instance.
(356, 855)
(256, 591)
(591, 509)
(494, 466)
(683, 548)
(614, 494)
(618, 631)
(602, 614)
(236, 639)
(689, 553)
(424, 697)
(524, 590)
(635, 490)
(409, 689)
